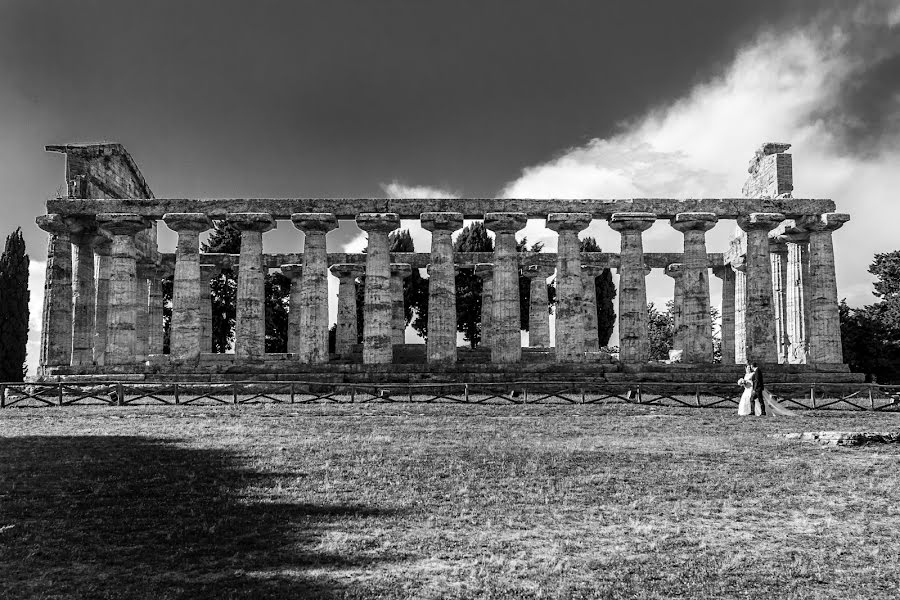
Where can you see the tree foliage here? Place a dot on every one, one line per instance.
(660, 330)
(870, 335)
(473, 238)
(14, 297)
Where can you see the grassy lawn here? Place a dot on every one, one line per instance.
(413, 501)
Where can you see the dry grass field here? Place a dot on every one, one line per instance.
(413, 501)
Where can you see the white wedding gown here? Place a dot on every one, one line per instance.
(773, 409)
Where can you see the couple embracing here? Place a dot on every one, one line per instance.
(756, 399)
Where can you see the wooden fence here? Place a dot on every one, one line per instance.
(695, 395)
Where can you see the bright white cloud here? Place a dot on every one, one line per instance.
(36, 274)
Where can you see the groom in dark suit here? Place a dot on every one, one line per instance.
(758, 387)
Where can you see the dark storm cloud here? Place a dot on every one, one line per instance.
(332, 98)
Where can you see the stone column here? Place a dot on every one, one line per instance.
(346, 333)
(538, 306)
(187, 329)
(589, 275)
(56, 332)
(100, 306)
(797, 300)
(740, 313)
(634, 344)
(157, 328)
(399, 273)
(121, 335)
(695, 322)
(207, 273)
(377, 346)
(485, 271)
(824, 320)
(142, 312)
(84, 294)
(778, 258)
(676, 272)
(506, 339)
(760, 315)
(313, 347)
(294, 272)
(441, 342)
(250, 321)
(569, 285)
(726, 331)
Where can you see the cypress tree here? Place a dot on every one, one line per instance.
(14, 297)
(606, 293)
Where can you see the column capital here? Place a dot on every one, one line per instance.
(378, 222)
(292, 271)
(722, 271)
(122, 223)
(592, 271)
(535, 271)
(777, 246)
(484, 270)
(347, 270)
(760, 221)
(187, 222)
(52, 223)
(401, 270)
(632, 221)
(824, 222)
(261, 222)
(307, 222)
(443, 221)
(674, 270)
(576, 222)
(694, 221)
(505, 222)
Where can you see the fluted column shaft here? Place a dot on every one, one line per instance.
(696, 323)
(485, 271)
(250, 323)
(569, 285)
(156, 327)
(726, 331)
(377, 337)
(101, 303)
(778, 258)
(506, 339)
(84, 298)
(294, 272)
(634, 343)
(56, 333)
(441, 341)
(141, 313)
(399, 273)
(538, 307)
(121, 333)
(760, 313)
(824, 318)
(313, 347)
(679, 333)
(797, 299)
(589, 275)
(207, 273)
(187, 328)
(346, 333)
(740, 314)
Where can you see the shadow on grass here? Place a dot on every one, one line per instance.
(132, 517)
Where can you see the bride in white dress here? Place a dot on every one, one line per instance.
(773, 408)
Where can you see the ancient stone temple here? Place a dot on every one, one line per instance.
(103, 311)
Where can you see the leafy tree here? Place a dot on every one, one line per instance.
(661, 330)
(14, 297)
(473, 238)
(606, 293)
(870, 335)
(278, 299)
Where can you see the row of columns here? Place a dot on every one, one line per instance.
(117, 295)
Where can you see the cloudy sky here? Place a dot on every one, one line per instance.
(219, 98)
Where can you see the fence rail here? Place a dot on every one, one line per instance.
(695, 395)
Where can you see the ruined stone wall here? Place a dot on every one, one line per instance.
(771, 173)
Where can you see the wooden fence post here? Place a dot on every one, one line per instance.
(60, 393)
(175, 393)
(234, 394)
(292, 392)
(697, 394)
(2, 395)
(466, 391)
(812, 395)
(120, 393)
(871, 398)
